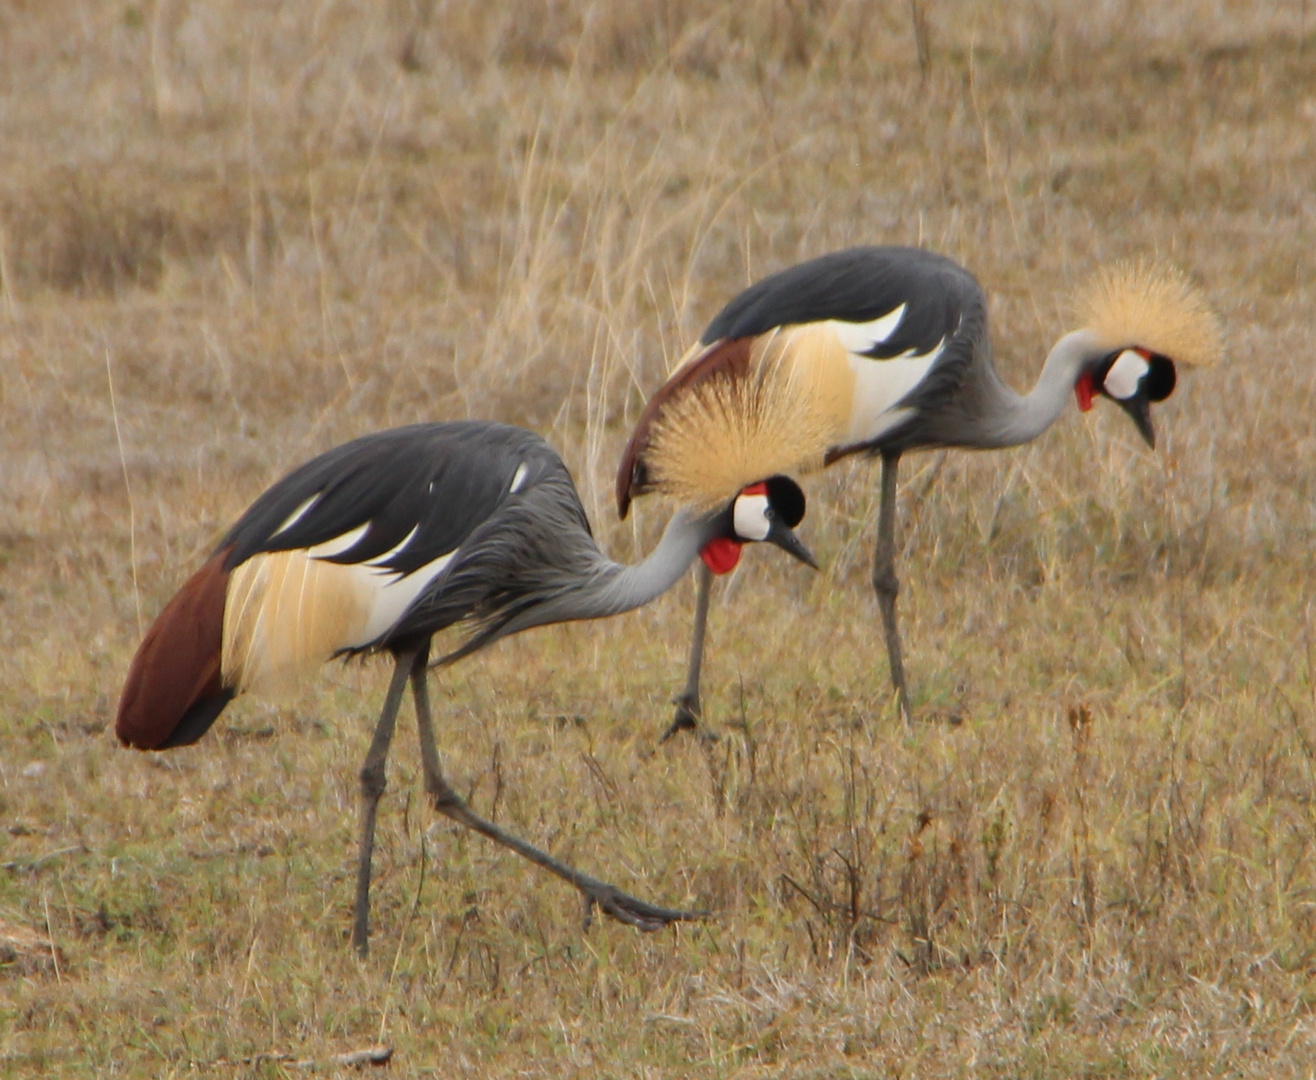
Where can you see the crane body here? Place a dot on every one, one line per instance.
(381, 543)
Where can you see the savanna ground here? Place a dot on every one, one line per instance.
(232, 235)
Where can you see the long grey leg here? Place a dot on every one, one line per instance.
(608, 898)
(688, 709)
(372, 787)
(885, 582)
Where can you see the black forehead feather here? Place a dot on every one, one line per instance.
(786, 498)
(1160, 378)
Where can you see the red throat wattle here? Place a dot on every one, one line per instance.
(721, 555)
(1083, 391)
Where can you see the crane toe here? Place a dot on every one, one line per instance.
(632, 911)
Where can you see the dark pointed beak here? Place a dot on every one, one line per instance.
(785, 538)
(1139, 409)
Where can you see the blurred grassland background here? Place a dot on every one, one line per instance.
(235, 234)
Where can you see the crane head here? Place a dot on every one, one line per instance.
(1140, 320)
(1133, 379)
(765, 511)
(733, 412)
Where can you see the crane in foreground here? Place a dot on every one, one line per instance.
(888, 351)
(379, 544)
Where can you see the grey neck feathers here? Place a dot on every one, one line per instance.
(1012, 418)
(609, 588)
(623, 588)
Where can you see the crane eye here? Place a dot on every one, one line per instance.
(786, 499)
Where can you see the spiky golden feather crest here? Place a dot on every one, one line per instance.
(777, 417)
(1154, 306)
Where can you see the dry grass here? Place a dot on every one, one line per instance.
(234, 234)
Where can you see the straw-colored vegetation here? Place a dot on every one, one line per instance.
(234, 234)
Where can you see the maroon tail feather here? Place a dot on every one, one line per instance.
(173, 692)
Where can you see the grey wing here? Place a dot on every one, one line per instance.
(919, 303)
(536, 548)
(400, 499)
(859, 285)
(923, 302)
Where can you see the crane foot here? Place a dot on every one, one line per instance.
(632, 911)
(686, 717)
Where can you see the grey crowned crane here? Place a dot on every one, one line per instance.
(888, 350)
(379, 544)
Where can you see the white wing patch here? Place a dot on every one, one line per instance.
(518, 478)
(380, 560)
(385, 592)
(860, 338)
(287, 612)
(880, 385)
(338, 544)
(296, 515)
(888, 421)
(391, 595)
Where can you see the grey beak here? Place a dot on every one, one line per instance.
(786, 539)
(1139, 410)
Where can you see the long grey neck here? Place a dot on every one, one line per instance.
(602, 587)
(1012, 418)
(622, 588)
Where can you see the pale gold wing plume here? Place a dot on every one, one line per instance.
(1154, 306)
(779, 416)
(285, 614)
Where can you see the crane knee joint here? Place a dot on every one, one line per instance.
(885, 583)
(443, 798)
(373, 781)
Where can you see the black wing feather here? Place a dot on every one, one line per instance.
(537, 547)
(859, 285)
(944, 306)
(440, 480)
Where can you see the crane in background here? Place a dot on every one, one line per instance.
(888, 349)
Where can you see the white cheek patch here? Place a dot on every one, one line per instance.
(750, 517)
(1121, 381)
